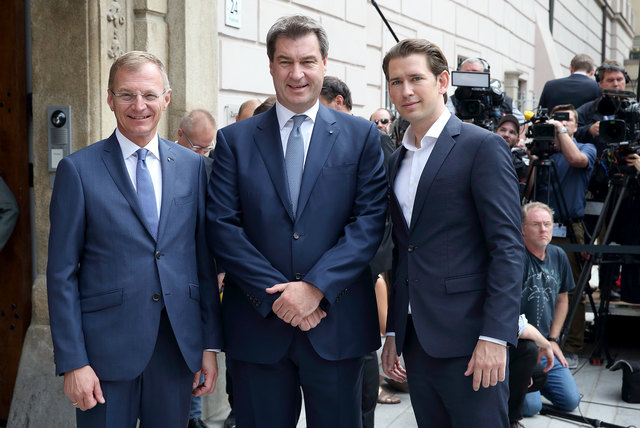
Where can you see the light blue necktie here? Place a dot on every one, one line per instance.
(146, 193)
(294, 160)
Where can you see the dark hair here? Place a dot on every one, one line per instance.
(436, 60)
(566, 107)
(266, 105)
(294, 27)
(332, 87)
(582, 62)
(133, 61)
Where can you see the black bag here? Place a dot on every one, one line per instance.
(630, 379)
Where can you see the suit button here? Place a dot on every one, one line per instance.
(158, 254)
(298, 276)
(410, 248)
(406, 281)
(296, 235)
(155, 297)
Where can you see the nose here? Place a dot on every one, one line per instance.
(296, 71)
(139, 102)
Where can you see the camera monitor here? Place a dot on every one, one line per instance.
(470, 79)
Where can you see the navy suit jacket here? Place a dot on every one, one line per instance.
(575, 89)
(329, 243)
(460, 259)
(105, 267)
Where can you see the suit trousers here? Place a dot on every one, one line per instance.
(522, 360)
(268, 395)
(159, 397)
(442, 396)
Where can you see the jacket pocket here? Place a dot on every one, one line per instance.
(183, 200)
(465, 283)
(102, 301)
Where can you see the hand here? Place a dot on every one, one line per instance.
(312, 320)
(220, 281)
(558, 353)
(558, 125)
(547, 352)
(595, 129)
(297, 301)
(487, 364)
(391, 365)
(82, 386)
(634, 160)
(210, 372)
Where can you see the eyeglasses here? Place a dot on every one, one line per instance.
(127, 98)
(383, 121)
(536, 225)
(197, 148)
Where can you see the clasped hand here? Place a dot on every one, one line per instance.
(298, 304)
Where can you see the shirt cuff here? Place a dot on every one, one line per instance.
(390, 334)
(494, 340)
(213, 350)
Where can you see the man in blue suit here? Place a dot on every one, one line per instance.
(133, 300)
(296, 210)
(576, 89)
(458, 250)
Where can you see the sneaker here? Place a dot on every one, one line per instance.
(572, 359)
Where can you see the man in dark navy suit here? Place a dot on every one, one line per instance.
(133, 300)
(576, 89)
(296, 210)
(458, 249)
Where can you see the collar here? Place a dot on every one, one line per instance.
(128, 147)
(284, 114)
(408, 141)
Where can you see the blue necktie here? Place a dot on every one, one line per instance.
(146, 194)
(294, 160)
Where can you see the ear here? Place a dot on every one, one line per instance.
(443, 82)
(180, 132)
(110, 100)
(339, 101)
(166, 99)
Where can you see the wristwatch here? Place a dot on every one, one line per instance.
(563, 130)
(553, 339)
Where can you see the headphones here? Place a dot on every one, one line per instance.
(485, 65)
(600, 71)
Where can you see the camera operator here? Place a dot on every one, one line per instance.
(611, 76)
(479, 65)
(574, 163)
(509, 129)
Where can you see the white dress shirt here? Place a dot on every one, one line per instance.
(129, 149)
(285, 122)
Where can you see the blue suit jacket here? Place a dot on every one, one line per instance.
(575, 89)
(338, 227)
(460, 259)
(105, 267)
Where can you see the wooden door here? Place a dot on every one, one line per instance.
(15, 258)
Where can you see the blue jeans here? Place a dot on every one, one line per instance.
(560, 389)
(196, 405)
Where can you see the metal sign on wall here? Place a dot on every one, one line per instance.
(233, 13)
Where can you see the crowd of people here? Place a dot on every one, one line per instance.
(308, 237)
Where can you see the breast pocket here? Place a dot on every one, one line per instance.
(184, 200)
(339, 169)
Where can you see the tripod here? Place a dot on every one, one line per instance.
(617, 191)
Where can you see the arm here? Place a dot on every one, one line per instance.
(588, 127)
(559, 315)
(544, 346)
(568, 147)
(250, 270)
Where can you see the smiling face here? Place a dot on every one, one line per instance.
(416, 92)
(298, 71)
(138, 120)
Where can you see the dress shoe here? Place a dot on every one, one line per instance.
(197, 423)
(230, 422)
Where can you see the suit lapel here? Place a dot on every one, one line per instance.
(112, 158)
(394, 166)
(443, 146)
(323, 138)
(169, 177)
(268, 141)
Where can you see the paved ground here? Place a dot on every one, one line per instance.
(599, 386)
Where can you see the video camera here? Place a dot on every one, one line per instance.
(477, 98)
(543, 134)
(625, 126)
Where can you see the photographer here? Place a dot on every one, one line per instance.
(509, 129)
(611, 76)
(479, 65)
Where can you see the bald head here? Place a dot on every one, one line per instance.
(247, 108)
(197, 131)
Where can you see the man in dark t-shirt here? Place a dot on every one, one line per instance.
(546, 281)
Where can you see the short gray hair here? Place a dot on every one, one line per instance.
(533, 206)
(294, 27)
(133, 61)
(189, 120)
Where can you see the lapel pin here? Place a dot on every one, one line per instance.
(170, 159)
(330, 132)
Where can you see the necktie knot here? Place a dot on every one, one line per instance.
(297, 121)
(142, 154)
